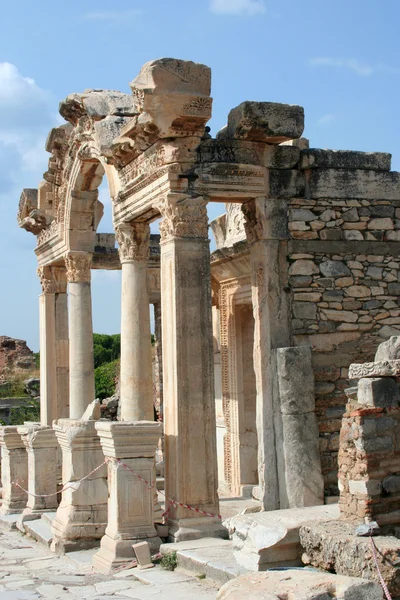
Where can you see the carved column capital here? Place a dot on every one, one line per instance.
(78, 266)
(53, 279)
(183, 217)
(133, 240)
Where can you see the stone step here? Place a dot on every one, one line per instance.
(210, 558)
(48, 517)
(39, 530)
(9, 522)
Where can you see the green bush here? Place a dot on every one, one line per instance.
(169, 561)
(104, 378)
(29, 412)
(107, 348)
(15, 389)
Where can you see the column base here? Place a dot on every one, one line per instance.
(81, 518)
(131, 500)
(195, 529)
(14, 467)
(115, 553)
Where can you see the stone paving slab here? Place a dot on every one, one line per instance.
(29, 571)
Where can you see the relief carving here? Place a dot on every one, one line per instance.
(133, 240)
(78, 266)
(185, 218)
(389, 368)
(53, 279)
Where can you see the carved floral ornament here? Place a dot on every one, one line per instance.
(53, 280)
(133, 240)
(78, 267)
(183, 217)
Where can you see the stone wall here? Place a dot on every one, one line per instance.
(369, 455)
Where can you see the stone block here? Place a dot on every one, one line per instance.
(282, 157)
(334, 268)
(304, 310)
(300, 584)
(365, 487)
(349, 184)
(391, 484)
(381, 392)
(389, 350)
(142, 552)
(267, 122)
(334, 546)
(271, 539)
(316, 158)
(295, 373)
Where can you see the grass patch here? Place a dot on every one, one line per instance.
(169, 561)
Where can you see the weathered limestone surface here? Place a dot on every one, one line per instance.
(14, 467)
(298, 460)
(271, 539)
(314, 158)
(82, 514)
(42, 450)
(334, 547)
(299, 585)
(130, 502)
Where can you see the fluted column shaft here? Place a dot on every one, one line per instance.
(81, 374)
(136, 382)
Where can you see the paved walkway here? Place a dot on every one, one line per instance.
(28, 571)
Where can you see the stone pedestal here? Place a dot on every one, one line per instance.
(42, 449)
(14, 467)
(188, 370)
(130, 503)
(82, 515)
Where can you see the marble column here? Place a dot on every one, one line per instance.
(130, 503)
(81, 361)
(136, 381)
(14, 467)
(54, 360)
(266, 230)
(189, 404)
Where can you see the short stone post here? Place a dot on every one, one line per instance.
(82, 514)
(42, 448)
(14, 467)
(188, 369)
(266, 230)
(131, 503)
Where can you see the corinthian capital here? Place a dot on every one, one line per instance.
(265, 219)
(53, 279)
(183, 217)
(133, 240)
(78, 267)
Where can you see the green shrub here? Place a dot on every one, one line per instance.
(29, 412)
(169, 561)
(105, 378)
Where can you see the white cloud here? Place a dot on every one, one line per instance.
(238, 7)
(352, 64)
(325, 119)
(113, 16)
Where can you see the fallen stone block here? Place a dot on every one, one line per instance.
(334, 546)
(271, 539)
(299, 585)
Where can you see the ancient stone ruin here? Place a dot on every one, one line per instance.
(255, 339)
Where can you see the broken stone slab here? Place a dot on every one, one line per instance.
(271, 539)
(333, 546)
(314, 158)
(299, 584)
(268, 122)
(388, 368)
(389, 350)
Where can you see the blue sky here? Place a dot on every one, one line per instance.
(338, 59)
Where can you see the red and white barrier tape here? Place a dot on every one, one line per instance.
(74, 485)
(375, 557)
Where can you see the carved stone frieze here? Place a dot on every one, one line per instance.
(389, 368)
(78, 267)
(133, 240)
(253, 224)
(48, 233)
(183, 217)
(53, 279)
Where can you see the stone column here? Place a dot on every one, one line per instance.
(14, 467)
(158, 350)
(42, 448)
(130, 503)
(54, 361)
(189, 404)
(82, 515)
(136, 382)
(266, 229)
(81, 362)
